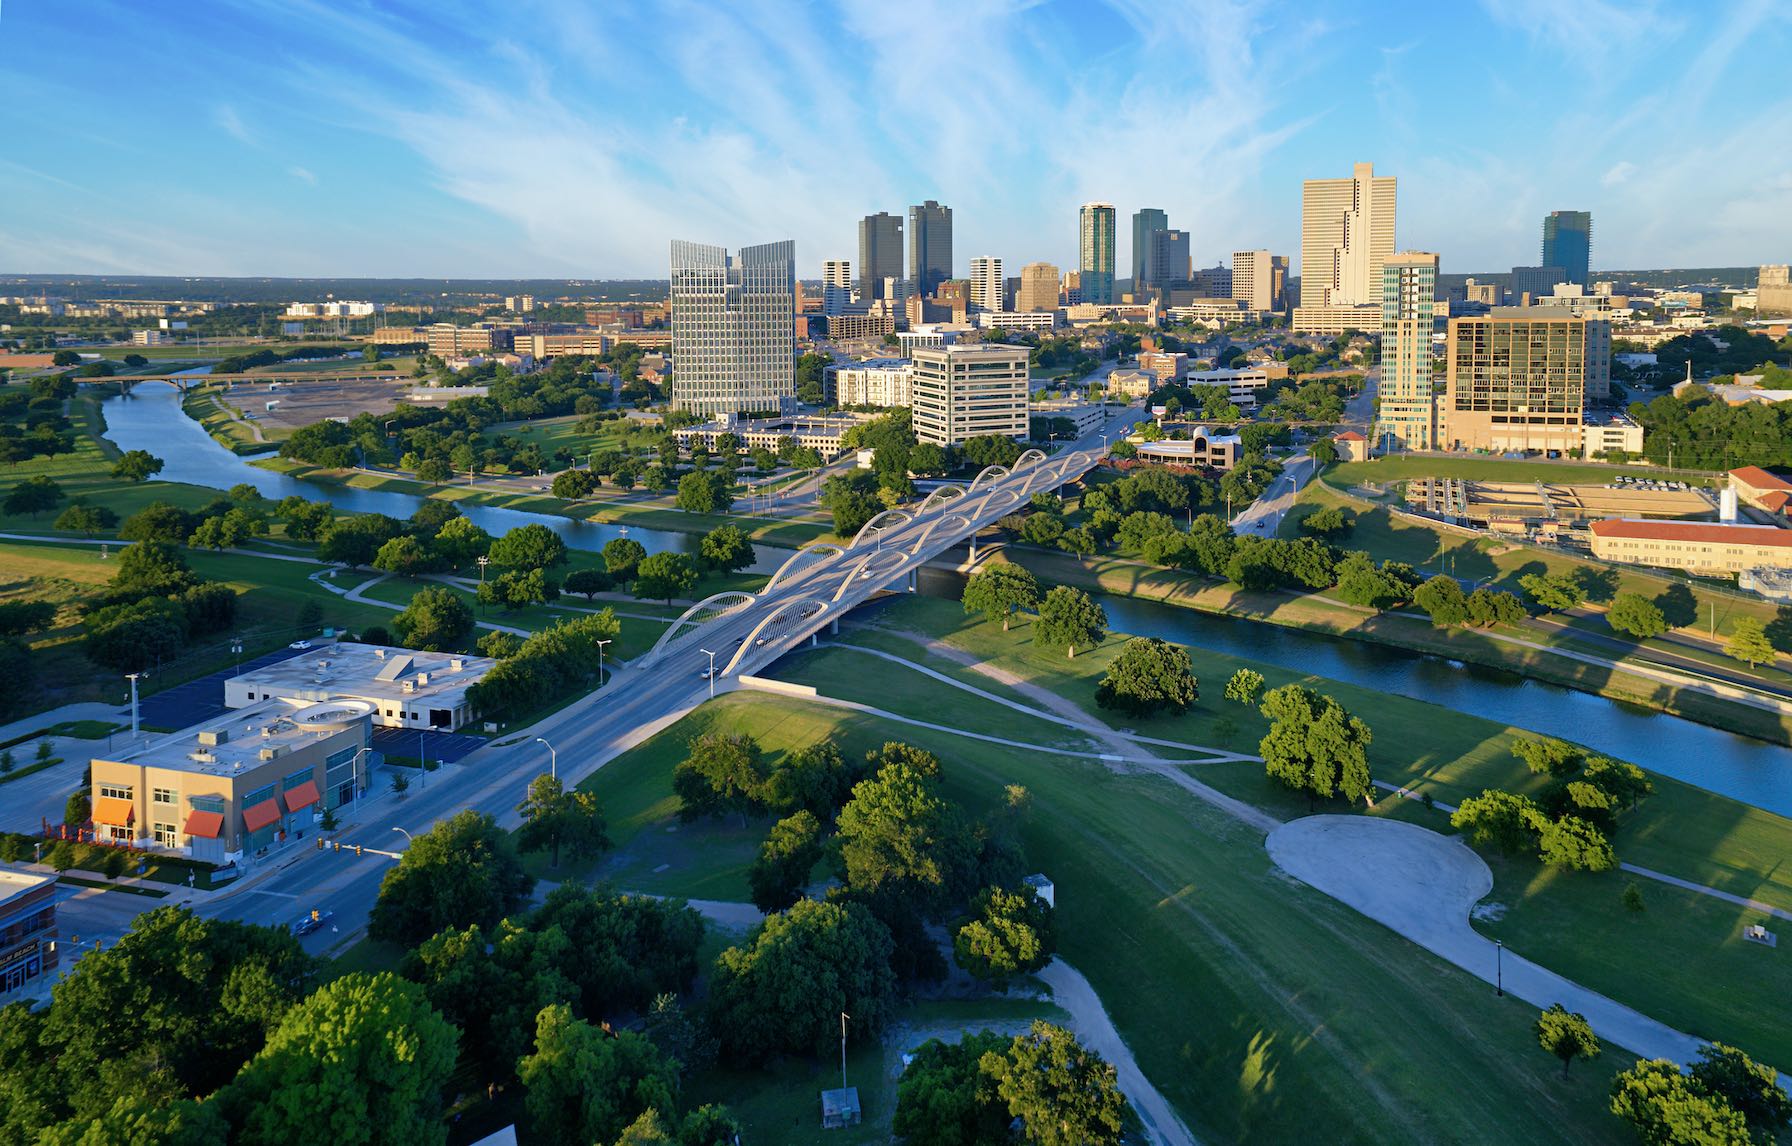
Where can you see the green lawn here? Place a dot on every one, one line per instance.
(1290, 1010)
(209, 405)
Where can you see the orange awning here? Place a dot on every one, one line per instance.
(261, 815)
(303, 796)
(112, 810)
(205, 825)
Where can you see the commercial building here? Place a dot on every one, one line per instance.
(964, 392)
(1131, 383)
(1346, 232)
(587, 343)
(405, 687)
(1518, 378)
(836, 286)
(1095, 252)
(1146, 221)
(1085, 416)
(1603, 431)
(1352, 446)
(1211, 282)
(1483, 294)
(930, 334)
(986, 283)
(1019, 320)
(1711, 548)
(1568, 243)
(519, 303)
(929, 246)
(238, 784)
(819, 432)
(1167, 261)
(1168, 367)
(1204, 447)
(1407, 417)
(334, 309)
(447, 340)
(1335, 319)
(733, 328)
(27, 927)
(1773, 290)
(1038, 288)
(151, 338)
(877, 382)
(880, 255)
(1765, 491)
(1242, 385)
(1532, 283)
(400, 336)
(1260, 280)
(871, 324)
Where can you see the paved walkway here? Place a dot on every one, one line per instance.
(85, 710)
(1422, 886)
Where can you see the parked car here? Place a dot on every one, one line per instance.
(299, 645)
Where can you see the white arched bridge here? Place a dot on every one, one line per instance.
(819, 583)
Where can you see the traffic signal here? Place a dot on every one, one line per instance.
(357, 851)
(338, 844)
(320, 843)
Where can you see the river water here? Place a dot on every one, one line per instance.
(1740, 767)
(151, 419)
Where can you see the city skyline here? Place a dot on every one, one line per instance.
(410, 141)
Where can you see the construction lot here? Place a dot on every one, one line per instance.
(300, 403)
(1513, 506)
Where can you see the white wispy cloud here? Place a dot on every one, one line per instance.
(303, 174)
(226, 117)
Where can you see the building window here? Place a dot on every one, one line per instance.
(163, 795)
(167, 835)
(117, 791)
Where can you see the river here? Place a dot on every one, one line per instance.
(1740, 767)
(151, 419)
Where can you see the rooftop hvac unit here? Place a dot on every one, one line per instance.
(380, 653)
(273, 751)
(202, 757)
(267, 733)
(408, 686)
(422, 679)
(455, 664)
(214, 736)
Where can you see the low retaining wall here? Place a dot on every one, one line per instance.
(766, 684)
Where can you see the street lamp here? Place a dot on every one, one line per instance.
(553, 759)
(236, 648)
(405, 834)
(1499, 959)
(712, 672)
(132, 677)
(600, 660)
(355, 769)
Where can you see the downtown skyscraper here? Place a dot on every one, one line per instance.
(1145, 221)
(929, 247)
(1568, 243)
(1095, 251)
(733, 328)
(1346, 232)
(1407, 417)
(880, 255)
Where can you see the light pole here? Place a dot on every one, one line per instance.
(553, 759)
(132, 677)
(712, 672)
(236, 648)
(600, 660)
(405, 834)
(1499, 970)
(355, 769)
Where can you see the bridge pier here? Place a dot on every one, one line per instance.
(913, 580)
(834, 627)
(814, 640)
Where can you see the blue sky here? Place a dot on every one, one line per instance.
(565, 139)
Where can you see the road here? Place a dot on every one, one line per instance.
(1264, 516)
(747, 633)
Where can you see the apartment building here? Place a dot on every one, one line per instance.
(986, 286)
(876, 382)
(963, 392)
(1167, 366)
(1407, 417)
(1517, 379)
(1260, 280)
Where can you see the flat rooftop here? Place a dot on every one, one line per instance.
(234, 741)
(372, 671)
(16, 883)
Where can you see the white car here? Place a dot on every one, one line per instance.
(299, 645)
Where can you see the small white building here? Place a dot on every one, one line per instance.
(407, 688)
(877, 382)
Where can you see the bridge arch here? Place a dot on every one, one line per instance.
(941, 496)
(740, 600)
(802, 607)
(812, 550)
(964, 522)
(859, 568)
(1028, 458)
(994, 473)
(878, 524)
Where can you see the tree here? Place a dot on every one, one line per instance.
(1497, 819)
(34, 495)
(1009, 933)
(515, 588)
(898, 836)
(1748, 642)
(1633, 898)
(82, 517)
(785, 988)
(572, 485)
(532, 546)
(364, 1059)
(1068, 618)
(150, 569)
(1488, 607)
(587, 582)
(852, 497)
(1554, 592)
(459, 542)
(1324, 451)
(1361, 582)
(1442, 598)
(134, 637)
(136, 465)
(158, 521)
(461, 872)
(1750, 1088)
(621, 556)
(720, 774)
(1000, 591)
(1332, 521)
(1636, 615)
(1573, 843)
(1314, 745)
(726, 549)
(405, 556)
(554, 818)
(703, 492)
(663, 576)
(1149, 676)
(587, 1083)
(354, 540)
(781, 871)
(1667, 1108)
(1244, 686)
(943, 1098)
(1064, 1093)
(1567, 1035)
(437, 619)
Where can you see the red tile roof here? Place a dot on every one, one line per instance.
(1757, 478)
(1707, 532)
(1775, 500)
(1349, 436)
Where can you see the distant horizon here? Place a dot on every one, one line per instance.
(299, 139)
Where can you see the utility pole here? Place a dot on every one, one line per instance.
(132, 677)
(843, 1017)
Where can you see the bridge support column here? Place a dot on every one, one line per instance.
(913, 580)
(814, 640)
(834, 627)
(973, 551)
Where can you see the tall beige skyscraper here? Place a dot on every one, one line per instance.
(1408, 411)
(1038, 288)
(986, 283)
(1260, 280)
(1346, 233)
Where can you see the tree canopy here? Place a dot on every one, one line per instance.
(1069, 618)
(999, 591)
(1314, 745)
(462, 871)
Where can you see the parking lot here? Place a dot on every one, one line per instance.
(188, 704)
(448, 747)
